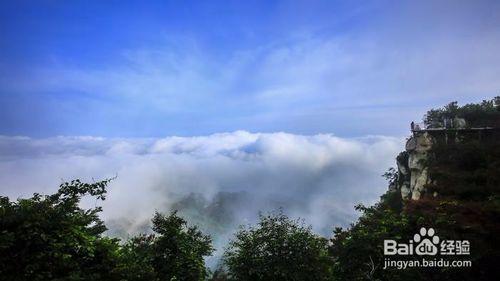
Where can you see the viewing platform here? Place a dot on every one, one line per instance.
(453, 130)
(422, 127)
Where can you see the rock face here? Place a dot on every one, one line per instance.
(413, 173)
(404, 176)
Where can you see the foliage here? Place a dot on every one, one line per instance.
(484, 114)
(278, 248)
(219, 274)
(465, 174)
(174, 252)
(51, 238)
(358, 252)
(178, 250)
(391, 175)
(136, 259)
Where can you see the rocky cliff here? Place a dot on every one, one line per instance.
(412, 170)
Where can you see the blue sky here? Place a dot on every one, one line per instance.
(161, 68)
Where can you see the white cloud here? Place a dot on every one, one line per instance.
(219, 180)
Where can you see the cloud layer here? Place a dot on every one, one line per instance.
(219, 181)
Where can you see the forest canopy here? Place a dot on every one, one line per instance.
(484, 114)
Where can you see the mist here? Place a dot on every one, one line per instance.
(218, 181)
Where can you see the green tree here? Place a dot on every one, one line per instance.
(179, 249)
(278, 248)
(174, 252)
(52, 238)
(358, 252)
(219, 274)
(484, 114)
(136, 259)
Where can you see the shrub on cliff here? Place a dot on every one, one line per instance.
(484, 114)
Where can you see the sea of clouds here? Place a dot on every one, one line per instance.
(218, 181)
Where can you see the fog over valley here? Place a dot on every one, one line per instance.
(218, 181)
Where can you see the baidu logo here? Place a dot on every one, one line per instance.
(426, 242)
(426, 249)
